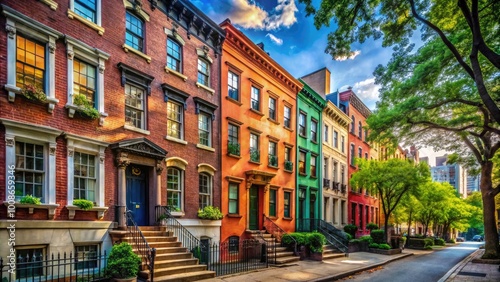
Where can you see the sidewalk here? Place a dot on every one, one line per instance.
(467, 270)
(316, 271)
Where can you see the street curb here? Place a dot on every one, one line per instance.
(350, 272)
(460, 265)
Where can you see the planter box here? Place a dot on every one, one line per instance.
(385, 252)
(358, 247)
(316, 256)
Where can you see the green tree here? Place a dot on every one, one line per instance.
(391, 180)
(476, 219)
(455, 214)
(431, 201)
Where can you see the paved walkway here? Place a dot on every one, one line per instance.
(469, 271)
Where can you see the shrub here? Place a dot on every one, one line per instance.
(428, 242)
(210, 212)
(374, 245)
(378, 236)
(122, 262)
(355, 241)
(371, 226)
(299, 237)
(451, 241)
(31, 200)
(351, 229)
(366, 238)
(439, 242)
(428, 247)
(85, 107)
(83, 204)
(315, 242)
(384, 246)
(349, 237)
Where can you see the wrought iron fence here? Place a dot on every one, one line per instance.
(80, 266)
(277, 233)
(187, 239)
(333, 235)
(146, 253)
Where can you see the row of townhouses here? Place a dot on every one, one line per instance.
(140, 105)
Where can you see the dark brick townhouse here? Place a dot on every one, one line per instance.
(113, 101)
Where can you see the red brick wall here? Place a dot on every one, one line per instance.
(113, 20)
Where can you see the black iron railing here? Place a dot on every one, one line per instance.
(187, 239)
(289, 165)
(277, 233)
(254, 155)
(233, 257)
(146, 253)
(334, 236)
(80, 266)
(336, 185)
(233, 148)
(343, 188)
(326, 183)
(273, 160)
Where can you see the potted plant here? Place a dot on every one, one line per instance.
(123, 263)
(315, 242)
(30, 200)
(162, 220)
(33, 93)
(83, 204)
(85, 107)
(210, 212)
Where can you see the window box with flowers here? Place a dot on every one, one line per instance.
(83, 107)
(34, 93)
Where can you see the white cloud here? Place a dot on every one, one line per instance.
(246, 14)
(350, 57)
(366, 89)
(274, 39)
(284, 15)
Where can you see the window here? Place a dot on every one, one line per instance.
(254, 148)
(174, 189)
(352, 154)
(255, 99)
(342, 144)
(234, 244)
(366, 156)
(273, 158)
(272, 108)
(366, 134)
(335, 139)
(360, 217)
(272, 202)
(287, 204)
(85, 176)
(134, 106)
(134, 36)
(33, 263)
(287, 117)
(233, 198)
(233, 145)
(360, 152)
(30, 171)
(30, 63)
(174, 120)
(205, 183)
(314, 130)
(342, 212)
(288, 159)
(302, 162)
(353, 122)
(86, 9)
(87, 256)
(302, 124)
(325, 168)
(342, 174)
(84, 80)
(203, 72)
(313, 166)
(353, 213)
(325, 134)
(174, 55)
(233, 81)
(360, 131)
(335, 171)
(204, 129)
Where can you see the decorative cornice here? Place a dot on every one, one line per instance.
(335, 114)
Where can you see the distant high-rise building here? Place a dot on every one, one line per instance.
(473, 183)
(453, 174)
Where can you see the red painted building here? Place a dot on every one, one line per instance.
(363, 207)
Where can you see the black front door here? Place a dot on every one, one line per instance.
(253, 217)
(136, 193)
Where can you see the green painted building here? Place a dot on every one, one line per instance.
(309, 153)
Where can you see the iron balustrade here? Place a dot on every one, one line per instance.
(187, 239)
(343, 188)
(336, 185)
(80, 266)
(326, 183)
(276, 233)
(229, 257)
(146, 253)
(334, 236)
(233, 148)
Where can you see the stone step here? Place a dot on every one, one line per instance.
(186, 277)
(278, 249)
(149, 228)
(175, 262)
(164, 244)
(179, 269)
(172, 256)
(284, 260)
(280, 254)
(169, 250)
(333, 255)
(149, 239)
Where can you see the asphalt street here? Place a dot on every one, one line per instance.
(419, 268)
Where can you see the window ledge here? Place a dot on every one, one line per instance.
(234, 156)
(288, 128)
(313, 177)
(127, 48)
(72, 109)
(13, 90)
(289, 171)
(288, 218)
(212, 91)
(234, 101)
(234, 215)
(273, 217)
(273, 121)
(180, 141)
(73, 15)
(203, 147)
(133, 128)
(176, 73)
(254, 162)
(314, 142)
(100, 211)
(177, 213)
(52, 4)
(50, 207)
(273, 167)
(257, 112)
(302, 174)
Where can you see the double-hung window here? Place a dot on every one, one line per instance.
(205, 186)
(30, 63)
(174, 188)
(302, 124)
(86, 9)
(30, 170)
(352, 154)
(335, 139)
(254, 148)
(87, 12)
(325, 135)
(313, 166)
(233, 145)
(233, 85)
(174, 119)
(272, 108)
(85, 178)
(302, 162)
(360, 152)
(287, 196)
(360, 130)
(287, 120)
(273, 158)
(203, 72)
(353, 122)
(174, 55)
(233, 198)
(255, 98)
(84, 81)
(342, 144)
(314, 130)
(272, 202)
(134, 35)
(204, 129)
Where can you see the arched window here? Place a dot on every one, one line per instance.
(360, 132)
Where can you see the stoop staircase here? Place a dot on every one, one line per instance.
(275, 253)
(173, 262)
(331, 252)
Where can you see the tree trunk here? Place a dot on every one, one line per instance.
(491, 247)
(386, 226)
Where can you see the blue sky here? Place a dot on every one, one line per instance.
(292, 40)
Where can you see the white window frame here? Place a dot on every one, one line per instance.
(209, 171)
(209, 129)
(34, 134)
(17, 22)
(204, 56)
(97, 25)
(180, 192)
(91, 56)
(181, 122)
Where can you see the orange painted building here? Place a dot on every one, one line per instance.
(258, 104)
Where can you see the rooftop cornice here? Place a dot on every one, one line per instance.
(358, 104)
(312, 96)
(334, 113)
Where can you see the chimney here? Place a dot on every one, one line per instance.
(261, 45)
